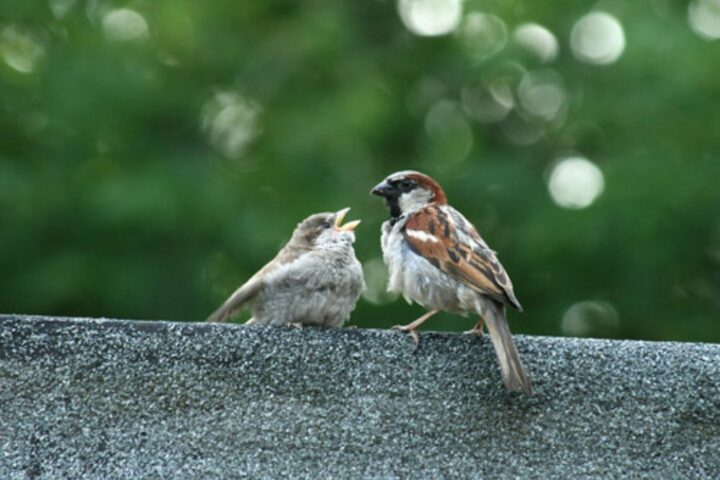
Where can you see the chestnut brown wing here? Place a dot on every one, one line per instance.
(447, 240)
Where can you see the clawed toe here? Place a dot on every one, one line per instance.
(408, 329)
(477, 329)
(412, 327)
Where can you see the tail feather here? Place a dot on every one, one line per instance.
(511, 367)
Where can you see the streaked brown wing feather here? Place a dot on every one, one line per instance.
(460, 252)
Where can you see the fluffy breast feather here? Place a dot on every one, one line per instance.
(416, 278)
(319, 288)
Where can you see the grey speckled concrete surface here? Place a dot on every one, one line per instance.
(82, 398)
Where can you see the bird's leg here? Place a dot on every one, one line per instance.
(477, 329)
(251, 321)
(411, 328)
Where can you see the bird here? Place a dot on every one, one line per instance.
(437, 258)
(315, 279)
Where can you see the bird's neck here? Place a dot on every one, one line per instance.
(402, 213)
(337, 252)
(393, 205)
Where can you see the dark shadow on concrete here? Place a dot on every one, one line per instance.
(83, 398)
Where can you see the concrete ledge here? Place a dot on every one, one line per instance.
(83, 398)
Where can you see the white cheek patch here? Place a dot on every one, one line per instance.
(414, 200)
(422, 236)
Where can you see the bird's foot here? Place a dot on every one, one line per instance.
(409, 329)
(412, 327)
(297, 325)
(476, 330)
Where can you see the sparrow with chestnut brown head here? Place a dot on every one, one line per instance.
(436, 258)
(314, 280)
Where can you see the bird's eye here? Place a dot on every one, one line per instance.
(407, 183)
(326, 224)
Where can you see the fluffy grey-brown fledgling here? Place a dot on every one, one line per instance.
(314, 280)
(437, 258)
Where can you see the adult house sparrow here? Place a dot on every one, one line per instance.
(436, 258)
(314, 280)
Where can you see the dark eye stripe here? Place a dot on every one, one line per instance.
(404, 185)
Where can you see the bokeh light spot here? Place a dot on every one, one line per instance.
(60, 8)
(521, 130)
(125, 25)
(704, 18)
(597, 38)
(590, 318)
(449, 130)
(489, 102)
(575, 182)
(430, 18)
(542, 94)
(231, 122)
(483, 35)
(20, 49)
(33, 123)
(424, 94)
(537, 40)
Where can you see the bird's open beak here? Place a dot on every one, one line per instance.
(348, 227)
(383, 189)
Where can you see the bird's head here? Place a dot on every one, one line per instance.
(408, 191)
(325, 230)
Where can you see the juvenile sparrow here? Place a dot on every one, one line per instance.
(436, 258)
(314, 280)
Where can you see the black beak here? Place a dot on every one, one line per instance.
(384, 189)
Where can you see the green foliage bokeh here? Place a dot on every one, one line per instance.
(122, 193)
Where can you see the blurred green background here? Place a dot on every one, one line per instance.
(154, 154)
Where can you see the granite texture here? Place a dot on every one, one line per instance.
(96, 398)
